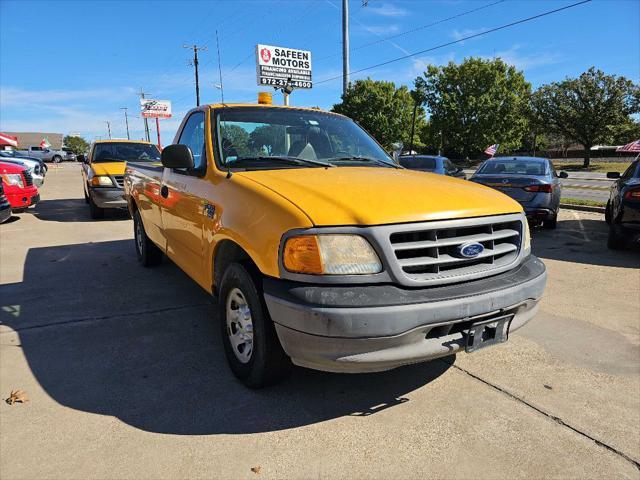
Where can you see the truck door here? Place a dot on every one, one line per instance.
(182, 208)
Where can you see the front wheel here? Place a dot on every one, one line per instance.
(56, 159)
(148, 253)
(249, 337)
(95, 211)
(607, 213)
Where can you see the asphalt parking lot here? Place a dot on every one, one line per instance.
(126, 374)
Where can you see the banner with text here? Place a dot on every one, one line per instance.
(155, 108)
(277, 66)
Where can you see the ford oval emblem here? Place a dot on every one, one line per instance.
(470, 250)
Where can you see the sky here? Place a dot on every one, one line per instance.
(71, 66)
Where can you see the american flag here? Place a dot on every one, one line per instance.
(630, 147)
(491, 150)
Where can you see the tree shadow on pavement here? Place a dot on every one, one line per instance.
(582, 241)
(104, 335)
(72, 210)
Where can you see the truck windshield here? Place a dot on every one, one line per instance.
(252, 138)
(123, 152)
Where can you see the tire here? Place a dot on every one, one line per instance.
(251, 344)
(86, 197)
(551, 223)
(56, 159)
(607, 213)
(148, 253)
(95, 211)
(615, 241)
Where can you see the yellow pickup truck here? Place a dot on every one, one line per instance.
(322, 252)
(103, 171)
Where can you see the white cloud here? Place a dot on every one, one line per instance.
(383, 30)
(525, 61)
(387, 10)
(467, 32)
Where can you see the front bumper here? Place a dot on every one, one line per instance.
(380, 327)
(23, 199)
(106, 197)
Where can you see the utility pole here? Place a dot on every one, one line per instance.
(345, 46)
(146, 124)
(109, 128)
(195, 65)
(126, 121)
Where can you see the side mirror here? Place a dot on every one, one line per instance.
(613, 174)
(177, 156)
(563, 175)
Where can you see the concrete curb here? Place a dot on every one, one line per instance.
(583, 208)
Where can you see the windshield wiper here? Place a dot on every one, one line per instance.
(356, 158)
(278, 158)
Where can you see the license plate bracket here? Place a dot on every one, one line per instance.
(487, 333)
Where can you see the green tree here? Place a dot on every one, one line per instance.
(270, 138)
(383, 110)
(475, 104)
(78, 145)
(588, 109)
(235, 137)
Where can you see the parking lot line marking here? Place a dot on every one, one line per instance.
(583, 231)
(558, 420)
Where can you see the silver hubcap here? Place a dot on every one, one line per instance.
(139, 237)
(239, 326)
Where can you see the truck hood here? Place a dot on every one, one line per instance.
(376, 196)
(109, 168)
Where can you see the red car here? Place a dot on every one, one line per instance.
(18, 186)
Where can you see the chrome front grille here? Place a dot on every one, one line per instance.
(119, 179)
(28, 179)
(428, 253)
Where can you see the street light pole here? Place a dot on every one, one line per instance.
(109, 128)
(146, 124)
(126, 121)
(345, 46)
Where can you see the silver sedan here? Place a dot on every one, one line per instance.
(532, 181)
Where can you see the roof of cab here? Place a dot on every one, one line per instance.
(121, 140)
(263, 105)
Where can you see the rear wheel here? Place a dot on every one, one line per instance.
(607, 213)
(56, 159)
(250, 341)
(616, 240)
(551, 223)
(148, 253)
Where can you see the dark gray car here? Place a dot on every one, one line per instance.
(532, 181)
(431, 163)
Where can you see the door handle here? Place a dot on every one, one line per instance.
(164, 191)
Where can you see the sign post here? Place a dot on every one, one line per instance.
(283, 68)
(157, 109)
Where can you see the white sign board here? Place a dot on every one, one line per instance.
(275, 66)
(155, 108)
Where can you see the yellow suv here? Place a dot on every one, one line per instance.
(322, 252)
(103, 171)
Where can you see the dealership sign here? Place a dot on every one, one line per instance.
(277, 66)
(155, 108)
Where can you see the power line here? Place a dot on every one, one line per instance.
(406, 32)
(502, 27)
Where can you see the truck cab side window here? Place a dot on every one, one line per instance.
(193, 136)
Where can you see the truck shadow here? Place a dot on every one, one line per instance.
(582, 241)
(104, 335)
(72, 210)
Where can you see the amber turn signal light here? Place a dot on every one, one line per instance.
(302, 255)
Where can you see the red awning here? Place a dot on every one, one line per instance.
(8, 140)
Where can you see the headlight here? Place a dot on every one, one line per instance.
(12, 179)
(101, 181)
(527, 238)
(330, 255)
